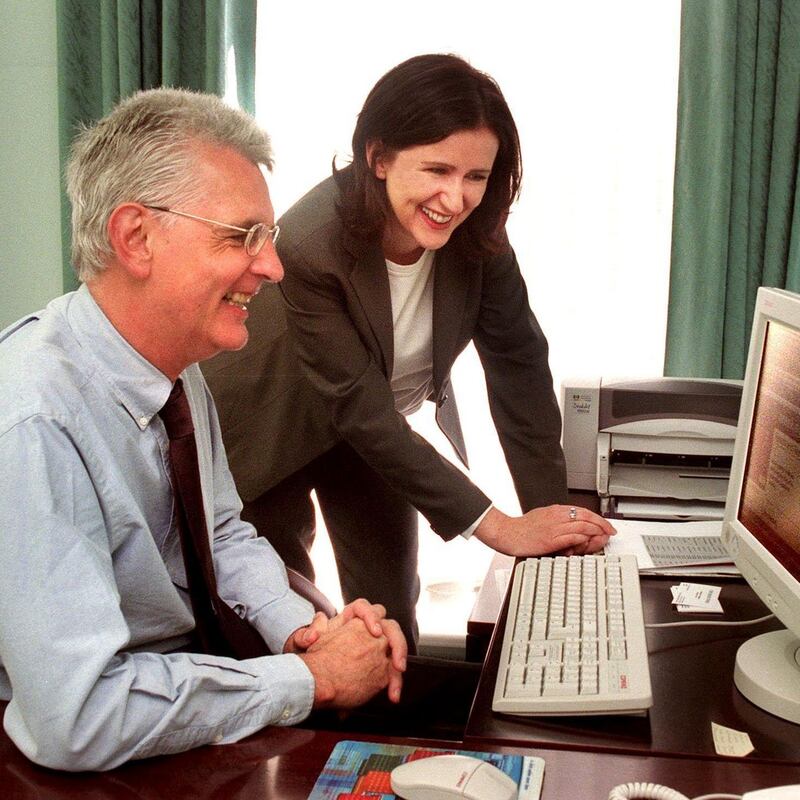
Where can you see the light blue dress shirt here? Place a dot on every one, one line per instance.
(90, 560)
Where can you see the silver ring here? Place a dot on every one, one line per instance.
(573, 513)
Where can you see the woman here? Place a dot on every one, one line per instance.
(393, 265)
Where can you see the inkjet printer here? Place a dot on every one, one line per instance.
(657, 448)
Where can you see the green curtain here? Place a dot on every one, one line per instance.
(108, 49)
(736, 217)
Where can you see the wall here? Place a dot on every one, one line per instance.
(30, 237)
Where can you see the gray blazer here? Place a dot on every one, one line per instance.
(316, 371)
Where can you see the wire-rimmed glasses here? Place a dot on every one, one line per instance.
(257, 235)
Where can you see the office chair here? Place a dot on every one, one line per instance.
(309, 591)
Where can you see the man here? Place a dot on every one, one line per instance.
(173, 234)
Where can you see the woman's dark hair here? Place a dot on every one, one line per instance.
(421, 101)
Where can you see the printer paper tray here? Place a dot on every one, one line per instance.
(666, 509)
(666, 483)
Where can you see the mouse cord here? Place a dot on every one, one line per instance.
(720, 622)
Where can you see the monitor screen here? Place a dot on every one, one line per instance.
(762, 513)
(769, 506)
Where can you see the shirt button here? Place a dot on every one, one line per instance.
(218, 738)
(286, 714)
(143, 421)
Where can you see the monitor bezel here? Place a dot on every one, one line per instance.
(777, 587)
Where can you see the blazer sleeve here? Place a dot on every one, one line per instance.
(514, 353)
(342, 360)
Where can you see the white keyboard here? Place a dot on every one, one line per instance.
(574, 641)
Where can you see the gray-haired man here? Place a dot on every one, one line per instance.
(173, 233)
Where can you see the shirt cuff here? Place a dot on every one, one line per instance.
(278, 621)
(295, 687)
(469, 531)
(288, 686)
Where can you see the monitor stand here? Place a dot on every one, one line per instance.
(767, 673)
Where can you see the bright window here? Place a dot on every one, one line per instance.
(593, 88)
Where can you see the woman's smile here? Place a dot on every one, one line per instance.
(432, 189)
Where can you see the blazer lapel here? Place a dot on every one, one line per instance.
(450, 285)
(370, 282)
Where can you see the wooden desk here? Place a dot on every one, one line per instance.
(489, 601)
(283, 764)
(691, 672)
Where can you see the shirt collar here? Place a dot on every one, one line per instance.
(138, 385)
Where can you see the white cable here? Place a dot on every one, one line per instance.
(653, 791)
(731, 623)
(646, 791)
(719, 797)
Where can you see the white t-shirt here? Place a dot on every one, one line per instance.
(411, 288)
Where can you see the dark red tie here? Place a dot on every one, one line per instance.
(220, 630)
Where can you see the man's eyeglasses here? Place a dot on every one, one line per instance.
(256, 237)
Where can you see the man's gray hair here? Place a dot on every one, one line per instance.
(142, 152)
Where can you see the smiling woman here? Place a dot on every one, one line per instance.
(593, 90)
(393, 265)
(432, 189)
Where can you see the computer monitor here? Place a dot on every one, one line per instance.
(762, 514)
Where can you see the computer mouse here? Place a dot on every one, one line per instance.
(451, 776)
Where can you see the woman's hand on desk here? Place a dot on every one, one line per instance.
(551, 529)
